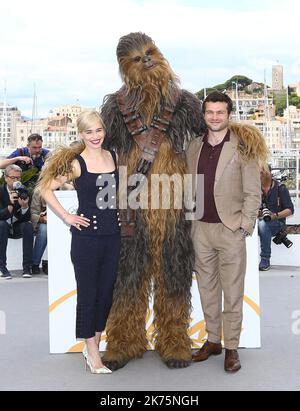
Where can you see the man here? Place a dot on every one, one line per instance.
(276, 198)
(231, 204)
(39, 222)
(14, 221)
(32, 156)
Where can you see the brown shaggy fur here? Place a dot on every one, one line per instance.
(171, 315)
(145, 89)
(158, 260)
(252, 143)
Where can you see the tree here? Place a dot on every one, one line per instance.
(295, 101)
(280, 102)
(243, 82)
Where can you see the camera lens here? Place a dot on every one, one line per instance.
(266, 215)
(287, 242)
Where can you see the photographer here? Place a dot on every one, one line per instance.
(276, 207)
(27, 158)
(39, 222)
(15, 219)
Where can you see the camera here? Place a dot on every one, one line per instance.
(265, 213)
(281, 238)
(21, 190)
(23, 165)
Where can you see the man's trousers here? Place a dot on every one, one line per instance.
(221, 266)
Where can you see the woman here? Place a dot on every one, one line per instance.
(95, 229)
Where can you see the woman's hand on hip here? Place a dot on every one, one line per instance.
(76, 221)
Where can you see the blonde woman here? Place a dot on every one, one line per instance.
(95, 246)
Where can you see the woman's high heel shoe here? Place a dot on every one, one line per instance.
(85, 352)
(102, 370)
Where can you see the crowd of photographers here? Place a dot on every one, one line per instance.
(23, 211)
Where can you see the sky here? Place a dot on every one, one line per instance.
(68, 48)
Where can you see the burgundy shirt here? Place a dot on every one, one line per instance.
(207, 166)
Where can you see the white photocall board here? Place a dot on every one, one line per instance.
(62, 291)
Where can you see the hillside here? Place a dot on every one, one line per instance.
(244, 84)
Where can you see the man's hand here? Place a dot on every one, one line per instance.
(244, 233)
(27, 160)
(43, 219)
(24, 203)
(13, 197)
(274, 216)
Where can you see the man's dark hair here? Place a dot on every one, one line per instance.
(34, 137)
(218, 97)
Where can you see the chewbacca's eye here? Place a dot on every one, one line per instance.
(148, 52)
(137, 59)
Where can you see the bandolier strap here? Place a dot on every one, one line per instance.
(149, 140)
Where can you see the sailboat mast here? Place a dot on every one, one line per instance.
(4, 125)
(34, 110)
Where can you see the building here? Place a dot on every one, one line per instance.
(60, 131)
(55, 131)
(9, 116)
(281, 133)
(295, 88)
(277, 78)
(292, 119)
(275, 132)
(251, 106)
(255, 87)
(70, 111)
(26, 127)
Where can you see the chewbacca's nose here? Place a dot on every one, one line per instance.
(146, 59)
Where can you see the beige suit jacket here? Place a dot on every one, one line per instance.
(38, 205)
(237, 188)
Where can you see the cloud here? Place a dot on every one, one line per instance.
(68, 48)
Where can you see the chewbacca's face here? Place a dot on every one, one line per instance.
(145, 72)
(140, 60)
(142, 64)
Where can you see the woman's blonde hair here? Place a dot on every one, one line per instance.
(59, 163)
(87, 119)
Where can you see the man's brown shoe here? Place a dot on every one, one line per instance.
(206, 351)
(232, 361)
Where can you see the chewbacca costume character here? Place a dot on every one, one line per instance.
(159, 256)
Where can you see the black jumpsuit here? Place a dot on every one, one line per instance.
(95, 250)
